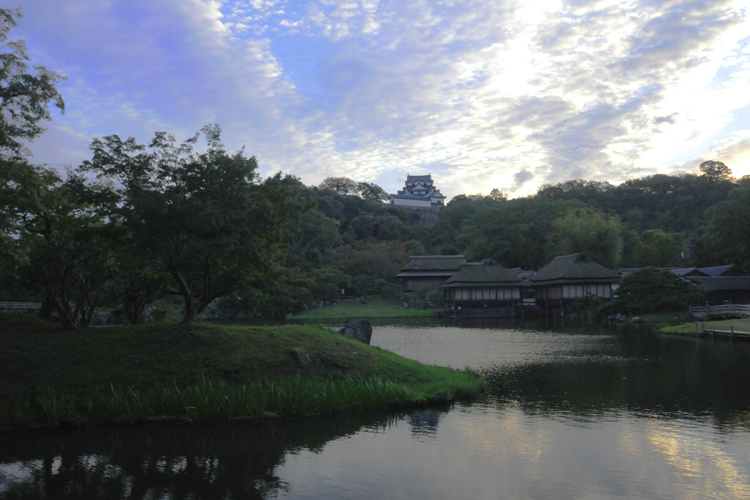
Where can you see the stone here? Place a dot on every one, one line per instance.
(360, 330)
(302, 358)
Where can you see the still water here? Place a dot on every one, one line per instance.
(570, 412)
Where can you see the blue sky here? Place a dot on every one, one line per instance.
(481, 94)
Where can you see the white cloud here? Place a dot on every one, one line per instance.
(481, 93)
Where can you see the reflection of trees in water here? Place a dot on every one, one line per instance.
(424, 422)
(186, 462)
(652, 374)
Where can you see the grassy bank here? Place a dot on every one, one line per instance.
(742, 325)
(375, 308)
(206, 372)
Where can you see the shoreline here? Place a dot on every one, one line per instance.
(165, 373)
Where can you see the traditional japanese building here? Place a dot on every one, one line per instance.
(429, 270)
(419, 192)
(485, 290)
(572, 278)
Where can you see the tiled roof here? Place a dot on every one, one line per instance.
(726, 270)
(722, 282)
(484, 273)
(578, 266)
(434, 263)
(722, 270)
(426, 274)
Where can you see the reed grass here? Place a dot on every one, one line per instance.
(209, 400)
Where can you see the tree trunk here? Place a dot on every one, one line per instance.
(187, 295)
(48, 305)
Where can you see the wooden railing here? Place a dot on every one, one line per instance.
(20, 307)
(722, 311)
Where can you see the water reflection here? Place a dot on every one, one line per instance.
(196, 462)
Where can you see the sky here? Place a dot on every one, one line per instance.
(481, 94)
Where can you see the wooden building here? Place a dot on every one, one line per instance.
(484, 290)
(570, 279)
(429, 270)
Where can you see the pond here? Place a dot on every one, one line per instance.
(570, 412)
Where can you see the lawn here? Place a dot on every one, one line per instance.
(204, 372)
(742, 325)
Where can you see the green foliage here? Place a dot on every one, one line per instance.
(60, 245)
(729, 227)
(206, 218)
(715, 171)
(370, 191)
(651, 290)
(24, 96)
(339, 185)
(593, 193)
(591, 231)
(657, 248)
(382, 259)
(515, 233)
(311, 238)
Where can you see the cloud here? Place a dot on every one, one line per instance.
(480, 93)
(522, 177)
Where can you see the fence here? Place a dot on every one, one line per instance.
(20, 307)
(722, 311)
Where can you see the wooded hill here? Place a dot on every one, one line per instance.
(197, 224)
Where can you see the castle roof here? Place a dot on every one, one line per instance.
(419, 178)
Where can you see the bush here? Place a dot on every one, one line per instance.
(651, 290)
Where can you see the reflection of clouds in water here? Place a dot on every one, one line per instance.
(691, 457)
(424, 422)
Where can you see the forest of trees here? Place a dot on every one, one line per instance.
(136, 223)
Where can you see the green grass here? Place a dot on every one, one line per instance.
(742, 325)
(375, 308)
(206, 372)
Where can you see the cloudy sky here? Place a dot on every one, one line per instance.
(482, 94)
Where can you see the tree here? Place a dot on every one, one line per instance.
(370, 191)
(206, 218)
(73, 269)
(592, 193)
(48, 221)
(497, 195)
(729, 227)
(657, 248)
(515, 233)
(715, 171)
(24, 96)
(311, 237)
(339, 185)
(651, 289)
(591, 231)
